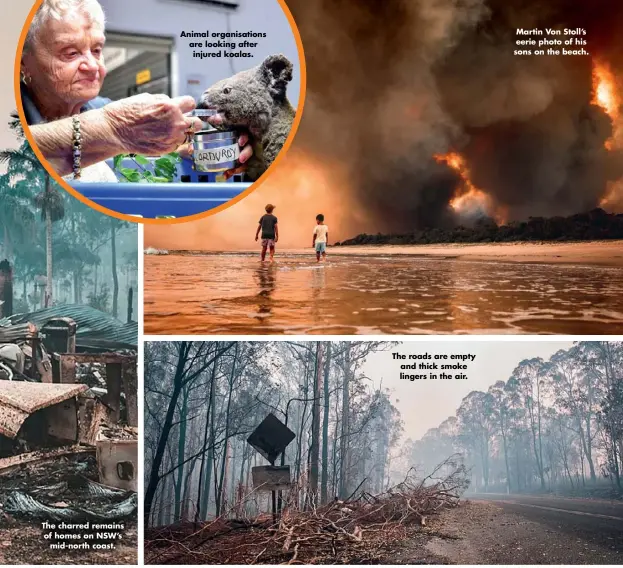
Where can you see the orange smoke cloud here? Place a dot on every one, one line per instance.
(468, 199)
(301, 187)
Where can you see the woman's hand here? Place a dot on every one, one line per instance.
(151, 124)
(245, 154)
(243, 141)
(186, 151)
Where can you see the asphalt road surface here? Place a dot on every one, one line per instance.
(521, 529)
(598, 519)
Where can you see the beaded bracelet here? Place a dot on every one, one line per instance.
(77, 146)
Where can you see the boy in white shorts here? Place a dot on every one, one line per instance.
(321, 237)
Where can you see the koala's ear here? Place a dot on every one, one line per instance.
(277, 73)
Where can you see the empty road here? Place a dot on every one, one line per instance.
(521, 529)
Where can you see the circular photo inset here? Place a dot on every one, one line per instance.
(160, 110)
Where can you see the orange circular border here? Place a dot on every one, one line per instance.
(110, 212)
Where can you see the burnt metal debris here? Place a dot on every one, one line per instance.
(68, 405)
(96, 330)
(21, 504)
(62, 490)
(19, 400)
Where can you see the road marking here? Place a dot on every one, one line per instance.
(598, 515)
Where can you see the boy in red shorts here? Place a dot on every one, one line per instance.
(270, 232)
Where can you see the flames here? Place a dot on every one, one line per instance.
(604, 89)
(607, 96)
(468, 199)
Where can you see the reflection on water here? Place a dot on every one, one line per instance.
(237, 294)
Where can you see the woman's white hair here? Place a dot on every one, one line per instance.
(61, 9)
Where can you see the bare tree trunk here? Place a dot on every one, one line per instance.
(186, 494)
(325, 429)
(202, 499)
(541, 467)
(221, 504)
(48, 250)
(181, 447)
(241, 490)
(77, 295)
(508, 470)
(334, 458)
(221, 491)
(344, 441)
(115, 277)
(315, 441)
(211, 465)
(299, 447)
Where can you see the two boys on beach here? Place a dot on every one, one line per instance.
(269, 229)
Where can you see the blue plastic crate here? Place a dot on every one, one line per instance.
(197, 193)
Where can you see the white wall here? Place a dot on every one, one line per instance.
(171, 17)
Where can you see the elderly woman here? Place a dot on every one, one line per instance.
(62, 72)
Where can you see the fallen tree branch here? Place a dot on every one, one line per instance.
(358, 531)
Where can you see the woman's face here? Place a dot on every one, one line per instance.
(66, 61)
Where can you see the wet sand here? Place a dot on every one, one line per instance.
(595, 253)
(570, 288)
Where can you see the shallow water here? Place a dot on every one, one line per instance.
(237, 294)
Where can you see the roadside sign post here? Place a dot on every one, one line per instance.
(270, 439)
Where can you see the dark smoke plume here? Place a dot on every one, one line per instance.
(393, 82)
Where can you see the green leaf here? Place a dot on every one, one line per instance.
(118, 159)
(160, 172)
(129, 174)
(125, 172)
(163, 161)
(161, 180)
(142, 160)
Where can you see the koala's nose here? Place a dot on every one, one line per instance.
(204, 101)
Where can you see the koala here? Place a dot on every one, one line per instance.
(255, 100)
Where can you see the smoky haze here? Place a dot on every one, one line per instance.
(426, 404)
(392, 84)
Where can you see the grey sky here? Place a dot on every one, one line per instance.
(13, 18)
(425, 404)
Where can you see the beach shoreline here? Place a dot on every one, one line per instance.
(591, 253)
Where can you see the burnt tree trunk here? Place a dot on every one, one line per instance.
(325, 429)
(203, 492)
(115, 276)
(221, 489)
(344, 449)
(6, 289)
(315, 440)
